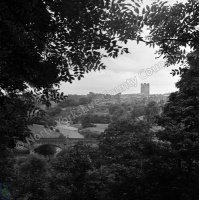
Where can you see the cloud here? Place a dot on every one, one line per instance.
(140, 56)
(160, 82)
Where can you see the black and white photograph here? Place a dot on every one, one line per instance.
(99, 100)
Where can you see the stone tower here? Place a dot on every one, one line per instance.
(145, 88)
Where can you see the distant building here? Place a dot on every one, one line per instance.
(145, 88)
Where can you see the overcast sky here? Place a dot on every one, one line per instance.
(139, 64)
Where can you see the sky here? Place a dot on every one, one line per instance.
(139, 65)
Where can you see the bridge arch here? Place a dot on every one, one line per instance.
(60, 146)
(57, 142)
(61, 143)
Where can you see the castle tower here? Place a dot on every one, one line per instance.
(145, 88)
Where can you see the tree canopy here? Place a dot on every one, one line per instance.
(172, 29)
(45, 42)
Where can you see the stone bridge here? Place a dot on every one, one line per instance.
(63, 143)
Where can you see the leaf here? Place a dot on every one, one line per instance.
(164, 8)
(138, 5)
(164, 3)
(143, 11)
(136, 10)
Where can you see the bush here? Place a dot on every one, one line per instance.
(89, 134)
(86, 125)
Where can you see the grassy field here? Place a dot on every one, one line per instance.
(76, 125)
(39, 129)
(69, 133)
(47, 133)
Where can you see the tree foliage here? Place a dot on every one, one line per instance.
(45, 42)
(180, 122)
(46, 150)
(30, 180)
(172, 29)
(120, 136)
(68, 174)
(152, 110)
